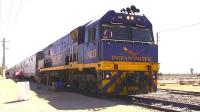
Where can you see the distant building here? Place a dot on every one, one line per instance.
(177, 76)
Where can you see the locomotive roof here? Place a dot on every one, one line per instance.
(112, 17)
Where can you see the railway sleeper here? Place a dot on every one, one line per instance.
(150, 101)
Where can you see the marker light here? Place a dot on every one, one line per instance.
(154, 76)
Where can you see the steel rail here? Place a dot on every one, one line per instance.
(163, 105)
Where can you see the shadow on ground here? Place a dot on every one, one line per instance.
(14, 101)
(65, 100)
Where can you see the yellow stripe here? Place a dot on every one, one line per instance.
(105, 82)
(127, 66)
(124, 90)
(107, 65)
(155, 82)
(150, 78)
(52, 68)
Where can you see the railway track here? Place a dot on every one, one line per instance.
(169, 101)
(162, 105)
(163, 100)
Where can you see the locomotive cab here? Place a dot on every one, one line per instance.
(128, 56)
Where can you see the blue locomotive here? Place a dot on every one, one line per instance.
(114, 54)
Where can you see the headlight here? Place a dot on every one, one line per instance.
(107, 76)
(128, 17)
(132, 18)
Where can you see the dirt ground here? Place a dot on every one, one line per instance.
(180, 87)
(51, 101)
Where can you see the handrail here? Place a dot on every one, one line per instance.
(130, 41)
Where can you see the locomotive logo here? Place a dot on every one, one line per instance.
(131, 52)
(133, 56)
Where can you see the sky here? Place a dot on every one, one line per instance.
(31, 25)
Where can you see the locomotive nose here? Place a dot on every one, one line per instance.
(121, 51)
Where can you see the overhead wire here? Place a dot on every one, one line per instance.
(0, 16)
(181, 27)
(10, 14)
(9, 17)
(18, 12)
(173, 29)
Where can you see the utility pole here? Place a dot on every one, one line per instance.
(157, 37)
(3, 60)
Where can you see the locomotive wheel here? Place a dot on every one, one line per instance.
(92, 88)
(86, 88)
(32, 79)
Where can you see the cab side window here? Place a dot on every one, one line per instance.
(91, 35)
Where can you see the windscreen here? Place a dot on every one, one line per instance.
(120, 32)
